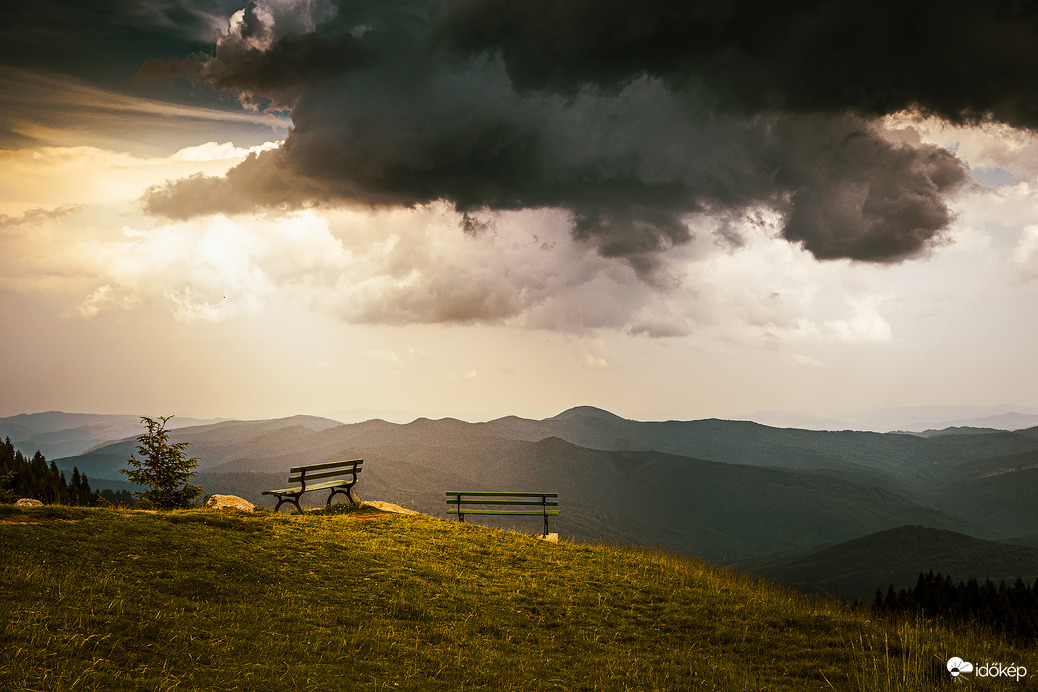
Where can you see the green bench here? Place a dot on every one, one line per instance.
(461, 499)
(344, 473)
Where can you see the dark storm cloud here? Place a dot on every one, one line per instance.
(630, 115)
(960, 59)
(290, 63)
(255, 60)
(854, 194)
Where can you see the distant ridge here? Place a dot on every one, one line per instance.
(855, 568)
(58, 434)
(907, 419)
(954, 430)
(586, 413)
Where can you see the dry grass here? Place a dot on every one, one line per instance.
(197, 600)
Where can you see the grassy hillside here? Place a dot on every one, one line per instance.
(195, 600)
(855, 569)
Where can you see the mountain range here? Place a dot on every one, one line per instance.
(740, 492)
(58, 434)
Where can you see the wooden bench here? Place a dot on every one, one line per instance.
(345, 473)
(461, 498)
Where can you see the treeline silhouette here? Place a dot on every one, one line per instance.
(1009, 609)
(33, 477)
(22, 476)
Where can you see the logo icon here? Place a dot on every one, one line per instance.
(956, 666)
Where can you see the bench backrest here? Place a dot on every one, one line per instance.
(472, 497)
(332, 469)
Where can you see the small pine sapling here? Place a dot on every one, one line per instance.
(163, 469)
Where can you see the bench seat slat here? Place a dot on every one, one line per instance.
(327, 484)
(329, 465)
(282, 491)
(522, 512)
(315, 486)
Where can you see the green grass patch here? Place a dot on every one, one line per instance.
(341, 599)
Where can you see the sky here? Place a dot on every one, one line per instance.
(477, 208)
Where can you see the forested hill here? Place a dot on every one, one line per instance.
(32, 477)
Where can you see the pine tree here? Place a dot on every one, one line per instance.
(163, 468)
(7, 493)
(84, 496)
(120, 498)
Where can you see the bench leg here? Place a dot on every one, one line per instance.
(282, 499)
(348, 492)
